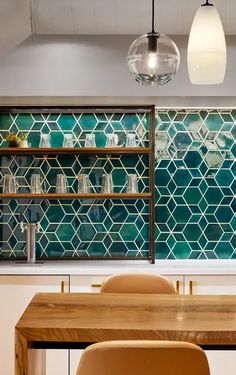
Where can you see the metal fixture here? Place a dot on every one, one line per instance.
(153, 58)
(31, 230)
(207, 47)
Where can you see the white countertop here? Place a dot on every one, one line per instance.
(92, 267)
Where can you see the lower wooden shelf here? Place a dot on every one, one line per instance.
(74, 151)
(71, 196)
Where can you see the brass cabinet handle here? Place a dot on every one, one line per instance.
(96, 285)
(191, 287)
(177, 285)
(62, 286)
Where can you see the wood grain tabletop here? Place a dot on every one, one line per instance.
(96, 317)
(72, 318)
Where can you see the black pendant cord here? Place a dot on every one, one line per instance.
(153, 16)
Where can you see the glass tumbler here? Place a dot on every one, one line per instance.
(90, 140)
(112, 140)
(35, 184)
(9, 184)
(68, 140)
(107, 183)
(62, 186)
(131, 140)
(132, 183)
(83, 184)
(45, 140)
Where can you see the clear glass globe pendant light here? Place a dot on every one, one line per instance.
(207, 47)
(153, 59)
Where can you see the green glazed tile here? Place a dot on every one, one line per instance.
(24, 122)
(181, 250)
(214, 122)
(195, 174)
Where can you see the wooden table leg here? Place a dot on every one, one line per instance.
(21, 355)
(28, 361)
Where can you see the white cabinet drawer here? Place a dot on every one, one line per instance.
(15, 294)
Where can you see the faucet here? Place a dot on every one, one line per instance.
(31, 230)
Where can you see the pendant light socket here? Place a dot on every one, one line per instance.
(152, 42)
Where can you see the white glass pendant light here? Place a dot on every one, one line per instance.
(207, 47)
(153, 59)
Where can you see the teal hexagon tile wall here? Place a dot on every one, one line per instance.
(110, 228)
(194, 177)
(86, 228)
(195, 184)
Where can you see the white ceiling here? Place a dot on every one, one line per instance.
(122, 16)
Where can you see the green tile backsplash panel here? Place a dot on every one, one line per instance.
(86, 228)
(195, 184)
(194, 176)
(110, 228)
(94, 166)
(76, 124)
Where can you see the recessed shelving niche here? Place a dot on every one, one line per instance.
(79, 226)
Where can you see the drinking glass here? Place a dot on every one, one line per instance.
(90, 140)
(68, 140)
(83, 184)
(112, 140)
(9, 184)
(45, 140)
(62, 186)
(107, 183)
(132, 183)
(35, 184)
(131, 140)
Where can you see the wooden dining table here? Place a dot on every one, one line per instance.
(75, 320)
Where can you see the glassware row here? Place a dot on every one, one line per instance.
(90, 140)
(10, 184)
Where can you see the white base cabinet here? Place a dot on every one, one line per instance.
(15, 294)
(210, 284)
(17, 290)
(221, 362)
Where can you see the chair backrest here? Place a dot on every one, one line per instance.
(137, 283)
(143, 358)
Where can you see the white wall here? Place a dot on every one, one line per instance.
(76, 66)
(15, 25)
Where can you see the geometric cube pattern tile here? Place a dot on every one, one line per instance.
(77, 228)
(195, 179)
(72, 166)
(73, 229)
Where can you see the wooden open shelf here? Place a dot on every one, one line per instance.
(74, 151)
(71, 196)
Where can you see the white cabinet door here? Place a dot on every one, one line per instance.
(210, 284)
(92, 283)
(86, 283)
(221, 362)
(15, 294)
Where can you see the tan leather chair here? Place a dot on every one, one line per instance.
(143, 358)
(137, 283)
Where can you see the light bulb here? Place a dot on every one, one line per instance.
(152, 60)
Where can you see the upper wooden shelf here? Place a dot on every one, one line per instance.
(74, 151)
(52, 196)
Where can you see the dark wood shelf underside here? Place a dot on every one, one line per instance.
(71, 196)
(74, 151)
